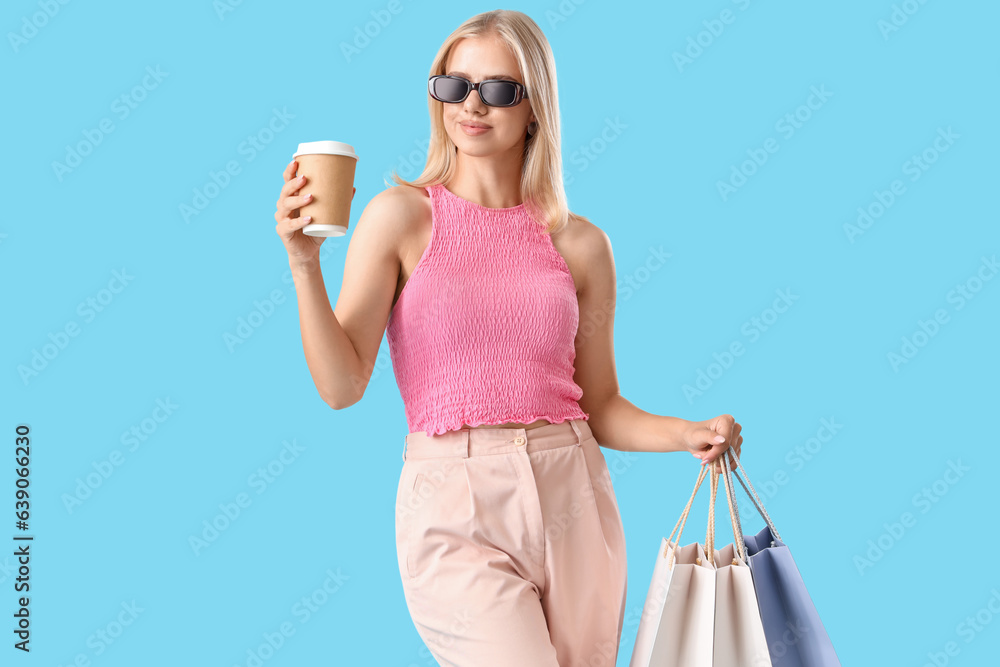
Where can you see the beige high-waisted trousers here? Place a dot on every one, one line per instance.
(511, 547)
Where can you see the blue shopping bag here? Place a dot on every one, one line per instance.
(795, 635)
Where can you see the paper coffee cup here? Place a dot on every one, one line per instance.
(329, 170)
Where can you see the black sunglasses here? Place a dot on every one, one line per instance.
(493, 92)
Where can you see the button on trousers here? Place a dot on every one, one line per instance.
(511, 547)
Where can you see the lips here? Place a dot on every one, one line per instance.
(473, 124)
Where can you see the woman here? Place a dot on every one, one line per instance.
(511, 548)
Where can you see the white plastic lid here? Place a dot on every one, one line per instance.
(324, 230)
(326, 148)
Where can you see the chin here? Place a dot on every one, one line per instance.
(474, 147)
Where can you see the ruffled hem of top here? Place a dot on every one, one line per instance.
(455, 425)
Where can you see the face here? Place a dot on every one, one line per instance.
(478, 58)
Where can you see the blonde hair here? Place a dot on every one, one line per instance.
(541, 175)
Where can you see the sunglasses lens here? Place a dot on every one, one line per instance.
(450, 90)
(498, 93)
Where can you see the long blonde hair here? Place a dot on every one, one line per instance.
(541, 175)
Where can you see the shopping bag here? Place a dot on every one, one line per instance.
(795, 635)
(701, 610)
(676, 628)
(739, 639)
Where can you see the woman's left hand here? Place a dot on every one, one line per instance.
(701, 440)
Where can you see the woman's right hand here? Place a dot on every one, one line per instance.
(302, 248)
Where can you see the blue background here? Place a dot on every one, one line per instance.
(651, 185)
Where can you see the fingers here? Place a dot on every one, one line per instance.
(714, 453)
(298, 201)
(289, 202)
(726, 425)
(701, 441)
(719, 462)
(292, 186)
(299, 222)
(292, 182)
(728, 428)
(287, 227)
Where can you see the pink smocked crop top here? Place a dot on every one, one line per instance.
(483, 331)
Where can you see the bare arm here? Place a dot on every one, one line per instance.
(341, 344)
(616, 422)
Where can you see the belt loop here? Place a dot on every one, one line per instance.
(576, 429)
(404, 448)
(467, 443)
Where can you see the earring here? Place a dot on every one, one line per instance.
(532, 128)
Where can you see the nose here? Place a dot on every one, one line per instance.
(473, 101)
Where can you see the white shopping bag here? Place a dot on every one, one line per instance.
(678, 618)
(701, 607)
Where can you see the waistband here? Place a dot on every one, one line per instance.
(467, 442)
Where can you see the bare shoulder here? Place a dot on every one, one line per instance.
(402, 195)
(403, 227)
(586, 249)
(392, 221)
(595, 242)
(414, 228)
(396, 210)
